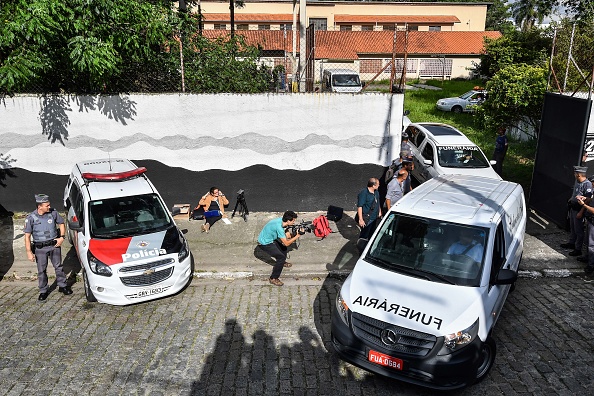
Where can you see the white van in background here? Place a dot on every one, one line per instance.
(423, 298)
(341, 80)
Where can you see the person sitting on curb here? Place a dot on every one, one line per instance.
(214, 200)
(274, 240)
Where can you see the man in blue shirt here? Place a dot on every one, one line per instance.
(274, 240)
(500, 151)
(468, 246)
(368, 208)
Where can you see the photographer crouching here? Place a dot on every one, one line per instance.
(274, 240)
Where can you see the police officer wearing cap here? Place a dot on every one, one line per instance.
(43, 241)
(583, 188)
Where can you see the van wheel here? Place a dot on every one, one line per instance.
(457, 109)
(88, 293)
(487, 355)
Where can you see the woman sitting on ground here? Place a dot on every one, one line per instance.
(213, 200)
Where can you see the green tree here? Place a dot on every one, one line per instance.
(515, 98)
(498, 17)
(527, 13)
(88, 45)
(531, 47)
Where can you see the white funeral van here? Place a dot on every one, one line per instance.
(128, 244)
(422, 301)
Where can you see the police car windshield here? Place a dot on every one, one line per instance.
(466, 95)
(127, 216)
(461, 157)
(452, 253)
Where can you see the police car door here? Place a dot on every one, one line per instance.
(496, 294)
(415, 140)
(428, 154)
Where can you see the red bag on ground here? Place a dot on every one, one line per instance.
(321, 227)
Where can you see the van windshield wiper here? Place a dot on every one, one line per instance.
(438, 276)
(398, 267)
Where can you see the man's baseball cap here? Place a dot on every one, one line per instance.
(41, 198)
(404, 136)
(580, 169)
(407, 159)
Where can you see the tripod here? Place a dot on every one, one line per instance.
(243, 209)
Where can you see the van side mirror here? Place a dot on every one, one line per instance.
(406, 112)
(75, 225)
(67, 204)
(506, 277)
(493, 162)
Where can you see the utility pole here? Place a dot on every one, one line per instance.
(302, 45)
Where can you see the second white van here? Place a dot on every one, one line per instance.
(422, 301)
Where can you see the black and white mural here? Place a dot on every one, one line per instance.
(289, 151)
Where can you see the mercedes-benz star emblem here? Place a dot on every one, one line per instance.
(389, 337)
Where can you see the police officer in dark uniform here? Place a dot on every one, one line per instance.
(589, 214)
(582, 187)
(43, 241)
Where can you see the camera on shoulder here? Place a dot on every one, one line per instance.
(301, 228)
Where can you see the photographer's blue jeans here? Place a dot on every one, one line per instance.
(279, 252)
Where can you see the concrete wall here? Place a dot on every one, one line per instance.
(300, 152)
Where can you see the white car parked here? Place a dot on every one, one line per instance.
(464, 102)
(441, 149)
(129, 247)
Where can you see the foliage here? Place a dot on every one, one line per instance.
(78, 44)
(527, 13)
(583, 10)
(498, 17)
(531, 47)
(516, 95)
(104, 46)
(211, 69)
(519, 161)
(581, 53)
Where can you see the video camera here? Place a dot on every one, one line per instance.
(301, 228)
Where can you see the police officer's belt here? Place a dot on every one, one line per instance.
(40, 245)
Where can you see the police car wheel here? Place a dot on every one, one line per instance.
(457, 109)
(487, 352)
(88, 293)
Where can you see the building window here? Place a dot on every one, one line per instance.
(366, 28)
(346, 28)
(389, 27)
(242, 26)
(263, 27)
(434, 28)
(413, 28)
(220, 26)
(286, 26)
(319, 23)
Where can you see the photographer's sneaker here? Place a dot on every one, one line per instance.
(275, 282)
(288, 265)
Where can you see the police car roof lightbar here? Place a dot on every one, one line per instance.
(114, 176)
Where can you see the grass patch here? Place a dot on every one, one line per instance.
(519, 161)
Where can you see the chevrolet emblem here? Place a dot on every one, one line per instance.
(149, 271)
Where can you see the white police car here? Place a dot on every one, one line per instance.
(440, 149)
(128, 244)
(466, 102)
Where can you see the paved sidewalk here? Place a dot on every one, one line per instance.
(230, 251)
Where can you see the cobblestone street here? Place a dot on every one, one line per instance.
(250, 338)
